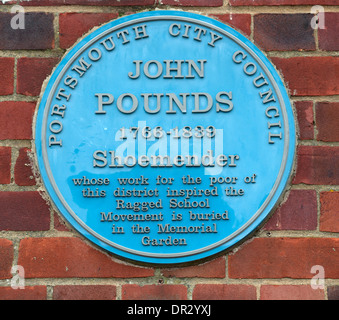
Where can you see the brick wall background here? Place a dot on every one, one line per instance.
(274, 264)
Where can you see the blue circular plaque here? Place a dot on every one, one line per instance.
(165, 137)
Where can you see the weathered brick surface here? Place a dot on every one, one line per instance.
(73, 25)
(224, 292)
(317, 165)
(193, 3)
(37, 34)
(28, 293)
(310, 76)
(31, 74)
(153, 292)
(299, 212)
(71, 257)
(7, 76)
(5, 165)
(214, 269)
(242, 22)
(333, 293)
(23, 211)
(329, 213)
(284, 32)
(86, 2)
(328, 37)
(285, 258)
(327, 119)
(59, 223)
(6, 254)
(16, 120)
(23, 174)
(305, 119)
(290, 292)
(84, 292)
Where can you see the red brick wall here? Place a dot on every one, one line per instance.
(274, 264)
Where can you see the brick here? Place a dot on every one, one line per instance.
(153, 292)
(212, 269)
(84, 292)
(7, 76)
(67, 257)
(276, 258)
(328, 37)
(23, 211)
(5, 165)
(73, 25)
(305, 119)
(281, 2)
(290, 292)
(317, 165)
(224, 292)
(310, 76)
(31, 74)
(29, 293)
(327, 120)
(86, 2)
(59, 224)
(284, 32)
(16, 120)
(333, 293)
(23, 174)
(38, 33)
(329, 213)
(193, 3)
(6, 254)
(299, 212)
(241, 22)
